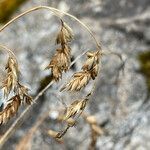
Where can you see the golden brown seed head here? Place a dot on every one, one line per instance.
(76, 108)
(65, 35)
(24, 95)
(78, 81)
(60, 62)
(11, 109)
(93, 59)
(11, 79)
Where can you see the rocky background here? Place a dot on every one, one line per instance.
(121, 100)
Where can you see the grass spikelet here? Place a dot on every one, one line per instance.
(65, 35)
(11, 109)
(90, 71)
(92, 63)
(76, 108)
(78, 81)
(60, 62)
(10, 82)
(24, 95)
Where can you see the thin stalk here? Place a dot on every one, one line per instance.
(9, 51)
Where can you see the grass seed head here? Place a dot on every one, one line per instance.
(11, 79)
(60, 62)
(93, 59)
(76, 108)
(24, 95)
(11, 109)
(90, 70)
(78, 81)
(65, 35)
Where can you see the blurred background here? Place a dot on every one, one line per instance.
(121, 102)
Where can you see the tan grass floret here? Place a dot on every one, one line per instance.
(10, 82)
(90, 71)
(11, 109)
(76, 108)
(61, 60)
(65, 35)
(24, 95)
(78, 81)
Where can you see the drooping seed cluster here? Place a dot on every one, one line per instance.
(11, 85)
(75, 109)
(61, 60)
(89, 71)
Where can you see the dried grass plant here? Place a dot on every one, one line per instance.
(59, 64)
(11, 84)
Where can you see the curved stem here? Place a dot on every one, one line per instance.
(9, 51)
(56, 13)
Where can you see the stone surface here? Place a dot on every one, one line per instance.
(121, 26)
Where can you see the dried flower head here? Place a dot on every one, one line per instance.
(65, 35)
(11, 109)
(92, 63)
(78, 81)
(93, 59)
(60, 62)
(76, 108)
(11, 77)
(90, 70)
(24, 95)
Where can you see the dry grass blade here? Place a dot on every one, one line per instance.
(11, 109)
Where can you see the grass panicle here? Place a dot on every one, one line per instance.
(60, 61)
